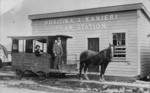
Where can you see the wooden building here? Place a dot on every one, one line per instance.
(125, 26)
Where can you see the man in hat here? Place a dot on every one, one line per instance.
(57, 50)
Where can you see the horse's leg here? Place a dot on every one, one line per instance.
(101, 73)
(81, 67)
(103, 68)
(85, 70)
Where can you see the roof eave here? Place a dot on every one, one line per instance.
(37, 37)
(89, 11)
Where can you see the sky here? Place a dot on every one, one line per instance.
(7, 5)
(14, 13)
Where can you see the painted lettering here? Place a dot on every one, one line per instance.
(111, 17)
(92, 19)
(79, 20)
(87, 19)
(98, 18)
(106, 17)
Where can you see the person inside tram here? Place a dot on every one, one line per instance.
(58, 52)
(38, 52)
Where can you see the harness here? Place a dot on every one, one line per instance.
(103, 58)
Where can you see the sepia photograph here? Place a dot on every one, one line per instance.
(74, 46)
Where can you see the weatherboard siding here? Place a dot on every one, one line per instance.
(126, 22)
(144, 27)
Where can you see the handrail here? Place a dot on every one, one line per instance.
(75, 56)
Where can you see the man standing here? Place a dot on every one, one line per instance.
(57, 50)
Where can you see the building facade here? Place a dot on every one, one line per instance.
(124, 26)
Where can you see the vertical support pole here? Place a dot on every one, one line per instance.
(43, 47)
(34, 43)
(23, 46)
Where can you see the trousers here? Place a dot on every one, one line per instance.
(58, 62)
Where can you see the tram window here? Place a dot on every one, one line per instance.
(29, 46)
(45, 47)
(15, 45)
(21, 45)
(42, 45)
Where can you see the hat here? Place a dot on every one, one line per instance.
(37, 46)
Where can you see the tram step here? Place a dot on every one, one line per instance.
(72, 67)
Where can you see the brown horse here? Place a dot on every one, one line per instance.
(96, 58)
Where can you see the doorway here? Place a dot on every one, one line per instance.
(93, 44)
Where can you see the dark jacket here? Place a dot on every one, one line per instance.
(57, 49)
(38, 53)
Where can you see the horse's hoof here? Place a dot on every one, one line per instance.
(86, 77)
(80, 78)
(101, 80)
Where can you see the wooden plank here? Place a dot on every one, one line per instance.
(126, 22)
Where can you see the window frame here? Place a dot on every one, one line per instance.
(120, 59)
(90, 39)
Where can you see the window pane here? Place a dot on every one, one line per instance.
(114, 37)
(21, 45)
(123, 36)
(93, 44)
(29, 46)
(123, 42)
(119, 36)
(115, 42)
(15, 46)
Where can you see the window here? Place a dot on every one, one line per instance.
(29, 46)
(15, 46)
(42, 43)
(93, 44)
(119, 41)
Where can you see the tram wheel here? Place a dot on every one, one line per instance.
(63, 75)
(19, 73)
(41, 75)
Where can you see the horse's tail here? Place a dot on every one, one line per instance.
(83, 58)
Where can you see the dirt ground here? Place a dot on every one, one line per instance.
(10, 83)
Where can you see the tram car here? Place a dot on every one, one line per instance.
(24, 58)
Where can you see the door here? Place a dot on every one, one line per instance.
(93, 44)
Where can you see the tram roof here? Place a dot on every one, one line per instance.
(38, 37)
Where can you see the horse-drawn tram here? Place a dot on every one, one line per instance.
(24, 58)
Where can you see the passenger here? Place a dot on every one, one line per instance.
(38, 52)
(58, 52)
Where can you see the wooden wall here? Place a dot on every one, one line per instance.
(126, 22)
(144, 30)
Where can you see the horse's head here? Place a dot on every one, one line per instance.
(111, 50)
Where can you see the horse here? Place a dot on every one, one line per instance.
(102, 58)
